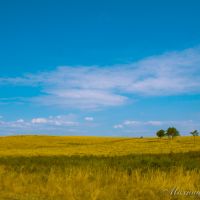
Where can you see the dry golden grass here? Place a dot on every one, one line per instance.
(92, 168)
(58, 145)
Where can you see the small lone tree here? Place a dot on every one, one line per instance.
(172, 132)
(160, 133)
(194, 133)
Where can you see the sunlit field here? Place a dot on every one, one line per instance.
(57, 168)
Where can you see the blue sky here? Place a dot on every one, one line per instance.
(114, 68)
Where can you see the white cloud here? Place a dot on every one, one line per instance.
(39, 120)
(131, 123)
(56, 124)
(20, 121)
(84, 99)
(172, 73)
(146, 127)
(56, 121)
(14, 124)
(155, 123)
(89, 118)
(118, 126)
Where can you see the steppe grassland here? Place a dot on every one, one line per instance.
(108, 146)
(50, 167)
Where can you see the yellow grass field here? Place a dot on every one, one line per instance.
(98, 168)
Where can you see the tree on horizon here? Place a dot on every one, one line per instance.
(160, 133)
(172, 132)
(194, 133)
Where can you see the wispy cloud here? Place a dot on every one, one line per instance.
(40, 123)
(118, 126)
(150, 127)
(134, 123)
(93, 87)
(89, 119)
(80, 98)
(55, 121)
